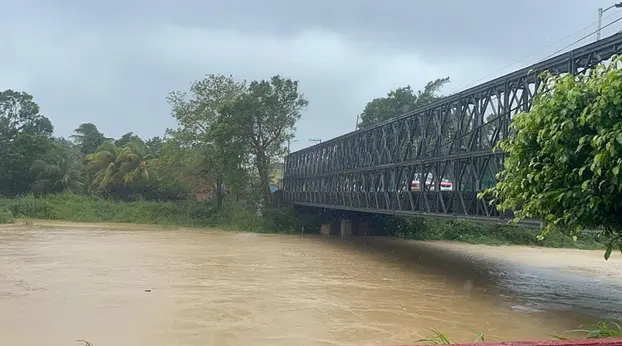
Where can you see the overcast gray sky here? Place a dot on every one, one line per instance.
(113, 62)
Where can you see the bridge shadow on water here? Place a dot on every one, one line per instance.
(529, 289)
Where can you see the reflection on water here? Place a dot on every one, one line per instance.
(215, 288)
(566, 284)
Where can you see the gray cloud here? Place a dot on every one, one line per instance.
(112, 63)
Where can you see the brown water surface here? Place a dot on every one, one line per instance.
(60, 284)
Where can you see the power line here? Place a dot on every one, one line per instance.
(545, 47)
(582, 38)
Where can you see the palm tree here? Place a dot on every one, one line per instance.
(88, 138)
(57, 175)
(118, 166)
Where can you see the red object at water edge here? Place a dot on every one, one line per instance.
(582, 342)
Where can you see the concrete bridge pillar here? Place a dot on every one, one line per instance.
(346, 228)
(325, 229)
(341, 227)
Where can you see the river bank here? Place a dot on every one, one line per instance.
(69, 207)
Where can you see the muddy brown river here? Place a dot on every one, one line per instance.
(131, 285)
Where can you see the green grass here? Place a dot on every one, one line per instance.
(6, 216)
(461, 231)
(69, 207)
(600, 330)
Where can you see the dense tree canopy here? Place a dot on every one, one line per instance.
(565, 156)
(262, 120)
(25, 136)
(217, 160)
(399, 101)
(230, 136)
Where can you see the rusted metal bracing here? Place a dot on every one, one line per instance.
(432, 160)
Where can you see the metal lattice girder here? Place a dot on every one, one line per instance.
(399, 166)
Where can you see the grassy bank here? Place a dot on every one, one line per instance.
(69, 207)
(430, 229)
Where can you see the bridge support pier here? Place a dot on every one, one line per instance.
(342, 227)
(325, 229)
(346, 228)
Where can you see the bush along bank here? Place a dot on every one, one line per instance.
(475, 233)
(190, 213)
(6, 216)
(71, 207)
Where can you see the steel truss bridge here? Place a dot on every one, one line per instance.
(397, 166)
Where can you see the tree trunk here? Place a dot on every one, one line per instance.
(219, 196)
(264, 176)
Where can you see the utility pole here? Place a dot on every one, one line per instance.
(600, 17)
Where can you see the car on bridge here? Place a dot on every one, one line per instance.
(445, 184)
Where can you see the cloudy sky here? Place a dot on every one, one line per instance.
(113, 62)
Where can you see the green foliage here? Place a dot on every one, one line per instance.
(25, 136)
(600, 330)
(118, 166)
(126, 139)
(215, 157)
(61, 170)
(506, 234)
(6, 216)
(439, 338)
(565, 156)
(263, 119)
(398, 102)
(71, 207)
(88, 138)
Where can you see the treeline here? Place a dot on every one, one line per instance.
(229, 139)
(229, 142)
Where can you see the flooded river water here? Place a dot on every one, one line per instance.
(157, 287)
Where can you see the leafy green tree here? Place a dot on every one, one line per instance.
(263, 119)
(565, 156)
(126, 138)
(114, 166)
(155, 145)
(399, 101)
(61, 170)
(19, 113)
(216, 159)
(25, 136)
(88, 138)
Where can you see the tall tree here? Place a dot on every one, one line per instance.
(88, 138)
(25, 136)
(399, 101)
(263, 119)
(197, 113)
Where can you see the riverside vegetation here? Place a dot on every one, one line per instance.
(70, 207)
(228, 144)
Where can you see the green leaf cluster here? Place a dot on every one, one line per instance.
(565, 155)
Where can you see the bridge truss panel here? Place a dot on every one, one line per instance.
(452, 140)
